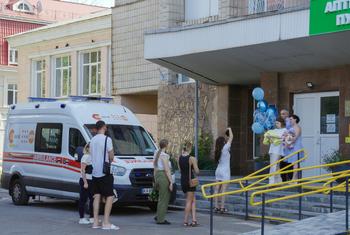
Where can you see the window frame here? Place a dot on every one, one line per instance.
(69, 139)
(21, 5)
(35, 73)
(62, 69)
(180, 77)
(14, 94)
(98, 65)
(12, 50)
(38, 137)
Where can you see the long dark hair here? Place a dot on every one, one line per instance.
(162, 144)
(219, 144)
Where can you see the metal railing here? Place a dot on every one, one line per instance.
(259, 189)
(245, 8)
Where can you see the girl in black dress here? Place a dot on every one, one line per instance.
(185, 162)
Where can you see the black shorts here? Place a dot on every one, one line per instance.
(103, 185)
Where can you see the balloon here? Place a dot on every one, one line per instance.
(262, 105)
(258, 93)
(257, 128)
(269, 124)
(259, 117)
(270, 111)
(272, 106)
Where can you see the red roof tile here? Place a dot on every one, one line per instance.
(52, 10)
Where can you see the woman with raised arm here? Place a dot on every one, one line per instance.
(223, 170)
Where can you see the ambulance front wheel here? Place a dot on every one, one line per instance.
(18, 193)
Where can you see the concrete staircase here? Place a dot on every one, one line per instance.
(312, 205)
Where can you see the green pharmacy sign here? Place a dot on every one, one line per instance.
(329, 16)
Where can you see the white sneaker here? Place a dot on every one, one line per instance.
(91, 220)
(84, 221)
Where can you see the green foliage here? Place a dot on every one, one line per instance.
(205, 160)
(263, 158)
(332, 157)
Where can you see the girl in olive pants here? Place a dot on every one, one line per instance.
(162, 184)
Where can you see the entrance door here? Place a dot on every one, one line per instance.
(319, 120)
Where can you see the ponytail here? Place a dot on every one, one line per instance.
(155, 162)
(162, 144)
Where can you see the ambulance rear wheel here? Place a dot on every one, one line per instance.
(18, 193)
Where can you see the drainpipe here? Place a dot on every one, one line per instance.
(196, 120)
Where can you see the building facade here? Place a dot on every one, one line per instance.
(301, 64)
(17, 16)
(162, 99)
(67, 58)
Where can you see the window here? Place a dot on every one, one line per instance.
(13, 56)
(11, 94)
(128, 140)
(257, 6)
(76, 140)
(48, 138)
(197, 9)
(91, 72)
(63, 76)
(330, 115)
(23, 6)
(39, 78)
(182, 79)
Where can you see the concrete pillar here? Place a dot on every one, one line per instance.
(269, 82)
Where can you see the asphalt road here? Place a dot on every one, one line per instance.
(50, 216)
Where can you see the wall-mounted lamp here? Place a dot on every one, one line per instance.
(67, 44)
(309, 85)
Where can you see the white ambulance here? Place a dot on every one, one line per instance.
(44, 140)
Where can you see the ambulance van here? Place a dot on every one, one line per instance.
(43, 145)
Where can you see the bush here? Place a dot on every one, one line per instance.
(332, 157)
(205, 161)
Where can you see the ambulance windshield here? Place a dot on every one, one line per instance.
(128, 140)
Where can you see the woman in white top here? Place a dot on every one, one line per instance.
(223, 170)
(85, 183)
(276, 148)
(163, 181)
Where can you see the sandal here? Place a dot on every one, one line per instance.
(194, 224)
(186, 224)
(216, 210)
(223, 210)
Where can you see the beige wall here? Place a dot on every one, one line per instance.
(176, 107)
(47, 50)
(141, 104)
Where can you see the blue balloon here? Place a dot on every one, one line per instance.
(258, 93)
(269, 124)
(257, 128)
(262, 105)
(259, 117)
(272, 106)
(270, 112)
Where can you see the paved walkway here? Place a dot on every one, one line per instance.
(327, 224)
(59, 217)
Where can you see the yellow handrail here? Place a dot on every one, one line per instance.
(275, 163)
(321, 189)
(250, 188)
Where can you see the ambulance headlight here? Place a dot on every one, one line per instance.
(118, 170)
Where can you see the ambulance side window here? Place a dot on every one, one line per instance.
(48, 137)
(76, 140)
